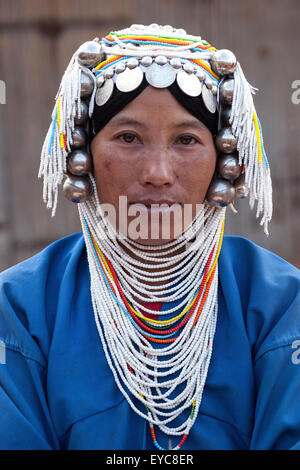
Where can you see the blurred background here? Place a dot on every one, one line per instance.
(37, 40)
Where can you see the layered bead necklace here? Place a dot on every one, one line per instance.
(160, 364)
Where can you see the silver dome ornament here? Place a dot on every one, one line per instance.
(228, 166)
(189, 83)
(90, 54)
(79, 138)
(160, 76)
(226, 91)
(120, 67)
(86, 84)
(220, 193)
(225, 117)
(188, 67)
(100, 80)
(214, 90)
(200, 75)
(109, 73)
(79, 162)
(84, 112)
(77, 188)
(130, 79)
(225, 141)
(132, 63)
(175, 62)
(208, 83)
(146, 61)
(241, 189)
(104, 93)
(160, 60)
(223, 62)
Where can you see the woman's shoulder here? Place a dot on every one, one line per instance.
(54, 256)
(267, 288)
(30, 292)
(242, 250)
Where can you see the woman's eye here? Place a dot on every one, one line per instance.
(128, 138)
(187, 139)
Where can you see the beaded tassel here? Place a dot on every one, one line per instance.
(246, 128)
(58, 140)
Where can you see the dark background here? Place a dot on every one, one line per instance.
(37, 40)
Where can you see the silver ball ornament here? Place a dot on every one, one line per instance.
(225, 116)
(83, 114)
(87, 84)
(228, 166)
(223, 62)
(241, 189)
(226, 91)
(79, 162)
(79, 137)
(90, 54)
(77, 188)
(225, 141)
(220, 193)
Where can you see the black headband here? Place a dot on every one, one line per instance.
(102, 114)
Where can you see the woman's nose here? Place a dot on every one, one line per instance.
(157, 169)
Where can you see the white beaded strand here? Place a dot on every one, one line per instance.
(124, 345)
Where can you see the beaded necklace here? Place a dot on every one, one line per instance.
(158, 364)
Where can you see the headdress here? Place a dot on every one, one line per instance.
(169, 379)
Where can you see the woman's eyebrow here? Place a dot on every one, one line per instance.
(190, 123)
(123, 120)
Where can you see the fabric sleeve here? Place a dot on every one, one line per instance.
(277, 415)
(276, 358)
(25, 423)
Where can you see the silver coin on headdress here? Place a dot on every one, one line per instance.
(189, 83)
(104, 93)
(130, 79)
(209, 99)
(160, 76)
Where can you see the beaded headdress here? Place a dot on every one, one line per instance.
(159, 358)
(162, 55)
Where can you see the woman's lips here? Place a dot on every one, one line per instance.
(150, 202)
(156, 206)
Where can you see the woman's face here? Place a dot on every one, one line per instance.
(153, 152)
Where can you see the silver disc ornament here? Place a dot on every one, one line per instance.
(130, 79)
(209, 99)
(189, 83)
(104, 93)
(160, 76)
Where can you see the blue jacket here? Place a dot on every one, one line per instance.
(56, 388)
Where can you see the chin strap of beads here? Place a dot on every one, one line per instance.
(162, 55)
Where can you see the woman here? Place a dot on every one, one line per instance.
(148, 329)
